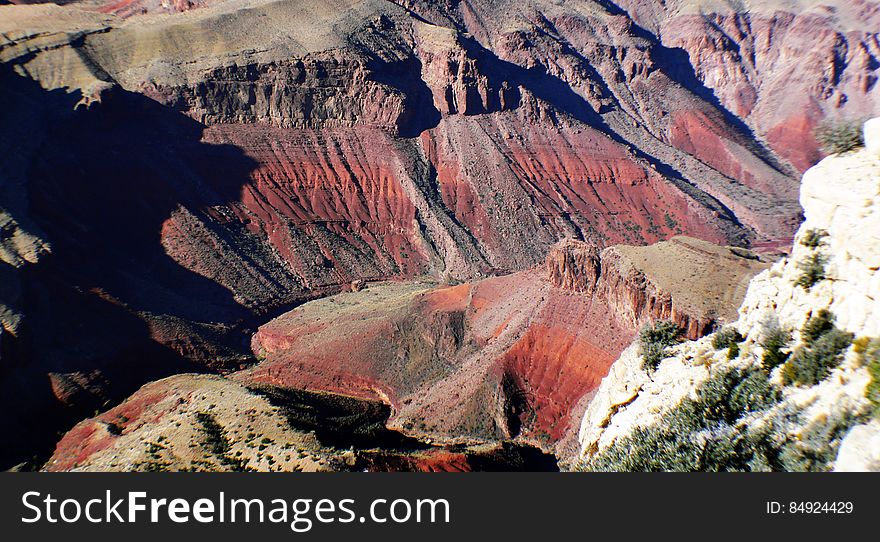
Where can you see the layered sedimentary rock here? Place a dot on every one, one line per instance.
(506, 357)
(831, 277)
(821, 56)
(180, 172)
(690, 282)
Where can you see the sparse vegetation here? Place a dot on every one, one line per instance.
(217, 442)
(812, 271)
(670, 222)
(839, 137)
(728, 338)
(654, 341)
(822, 351)
(733, 351)
(819, 324)
(725, 337)
(736, 423)
(814, 449)
(703, 434)
(774, 340)
(869, 352)
(814, 238)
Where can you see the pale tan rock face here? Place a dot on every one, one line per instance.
(872, 136)
(860, 450)
(841, 197)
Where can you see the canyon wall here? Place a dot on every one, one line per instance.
(823, 57)
(181, 172)
(513, 357)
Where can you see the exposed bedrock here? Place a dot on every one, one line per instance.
(504, 357)
(175, 179)
(822, 57)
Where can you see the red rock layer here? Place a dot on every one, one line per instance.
(195, 197)
(331, 202)
(783, 72)
(505, 357)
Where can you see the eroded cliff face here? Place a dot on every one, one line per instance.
(823, 56)
(513, 357)
(184, 171)
(684, 280)
(797, 323)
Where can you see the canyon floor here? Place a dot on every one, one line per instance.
(384, 235)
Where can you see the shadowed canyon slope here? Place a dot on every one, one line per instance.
(478, 376)
(179, 173)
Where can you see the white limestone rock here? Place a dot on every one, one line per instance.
(860, 450)
(872, 136)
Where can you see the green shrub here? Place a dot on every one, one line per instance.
(726, 337)
(729, 395)
(840, 137)
(217, 442)
(702, 434)
(775, 339)
(819, 324)
(716, 432)
(812, 271)
(871, 357)
(814, 238)
(733, 351)
(816, 446)
(654, 340)
(812, 364)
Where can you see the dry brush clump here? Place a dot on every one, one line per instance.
(822, 350)
(654, 341)
(836, 137)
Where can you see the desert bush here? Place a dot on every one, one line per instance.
(732, 351)
(774, 340)
(812, 271)
(728, 395)
(716, 430)
(869, 351)
(816, 447)
(726, 337)
(216, 441)
(818, 324)
(814, 238)
(840, 137)
(811, 364)
(702, 434)
(655, 339)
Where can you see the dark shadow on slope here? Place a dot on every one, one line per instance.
(345, 423)
(419, 113)
(108, 309)
(339, 421)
